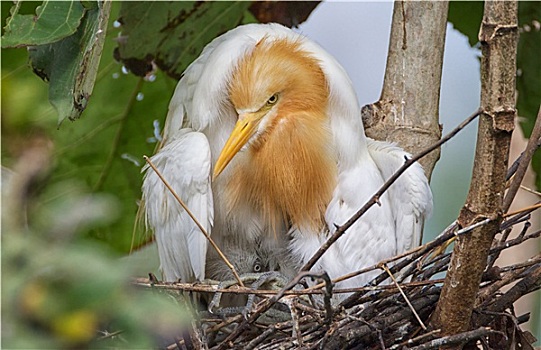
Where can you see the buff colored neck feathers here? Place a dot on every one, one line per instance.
(288, 172)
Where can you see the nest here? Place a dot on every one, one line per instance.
(392, 312)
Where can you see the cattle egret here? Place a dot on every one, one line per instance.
(265, 144)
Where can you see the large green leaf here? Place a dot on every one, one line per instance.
(53, 20)
(71, 64)
(172, 34)
(466, 17)
(105, 149)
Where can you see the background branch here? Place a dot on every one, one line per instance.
(498, 37)
(407, 112)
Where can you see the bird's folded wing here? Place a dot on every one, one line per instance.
(410, 195)
(184, 161)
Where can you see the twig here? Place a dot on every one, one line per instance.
(260, 338)
(530, 262)
(201, 228)
(264, 306)
(530, 190)
(380, 306)
(533, 144)
(513, 242)
(227, 322)
(518, 218)
(415, 340)
(388, 314)
(107, 335)
(508, 278)
(412, 254)
(342, 229)
(371, 326)
(460, 338)
(530, 209)
(529, 284)
(384, 267)
(327, 297)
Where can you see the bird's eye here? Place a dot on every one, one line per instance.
(258, 266)
(272, 100)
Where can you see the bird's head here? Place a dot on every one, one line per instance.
(275, 86)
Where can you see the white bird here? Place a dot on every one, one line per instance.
(265, 144)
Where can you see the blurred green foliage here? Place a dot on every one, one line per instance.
(59, 289)
(104, 149)
(65, 283)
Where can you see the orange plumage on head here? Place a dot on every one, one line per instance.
(288, 171)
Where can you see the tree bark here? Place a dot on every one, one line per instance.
(408, 109)
(498, 37)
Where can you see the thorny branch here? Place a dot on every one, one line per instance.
(341, 230)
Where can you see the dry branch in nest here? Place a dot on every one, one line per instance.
(378, 316)
(392, 311)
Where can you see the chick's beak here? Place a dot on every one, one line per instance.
(244, 129)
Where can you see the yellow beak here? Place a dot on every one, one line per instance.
(244, 129)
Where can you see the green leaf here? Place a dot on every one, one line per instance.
(171, 35)
(53, 21)
(71, 64)
(466, 17)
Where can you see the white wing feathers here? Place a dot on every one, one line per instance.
(200, 102)
(185, 159)
(410, 195)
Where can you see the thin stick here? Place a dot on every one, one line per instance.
(375, 198)
(205, 233)
(448, 234)
(386, 269)
(454, 339)
(415, 340)
(264, 306)
(530, 208)
(533, 144)
(207, 288)
(530, 190)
